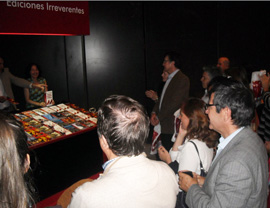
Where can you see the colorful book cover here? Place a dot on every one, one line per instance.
(49, 98)
(48, 110)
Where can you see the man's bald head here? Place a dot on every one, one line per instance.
(223, 63)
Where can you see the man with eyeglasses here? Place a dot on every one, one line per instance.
(6, 78)
(238, 176)
(174, 92)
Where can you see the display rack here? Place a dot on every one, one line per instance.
(47, 125)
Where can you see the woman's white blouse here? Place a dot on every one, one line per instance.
(188, 158)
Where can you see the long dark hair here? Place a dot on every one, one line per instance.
(14, 192)
(198, 126)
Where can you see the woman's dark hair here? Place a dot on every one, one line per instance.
(14, 191)
(28, 69)
(215, 81)
(239, 74)
(198, 126)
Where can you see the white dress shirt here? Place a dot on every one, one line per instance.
(3, 93)
(224, 141)
(166, 85)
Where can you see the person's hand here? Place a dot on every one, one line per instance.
(180, 138)
(154, 119)
(42, 104)
(3, 99)
(265, 81)
(164, 155)
(200, 179)
(185, 181)
(40, 86)
(182, 131)
(151, 94)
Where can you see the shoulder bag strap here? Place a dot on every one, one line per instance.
(198, 155)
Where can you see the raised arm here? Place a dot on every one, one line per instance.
(180, 138)
(24, 83)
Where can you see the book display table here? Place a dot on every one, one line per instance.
(64, 146)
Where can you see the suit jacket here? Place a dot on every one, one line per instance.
(8, 78)
(176, 92)
(129, 182)
(238, 176)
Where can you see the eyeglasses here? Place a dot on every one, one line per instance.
(209, 105)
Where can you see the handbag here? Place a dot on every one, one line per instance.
(181, 197)
(174, 166)
(203, 172)
(181, 200)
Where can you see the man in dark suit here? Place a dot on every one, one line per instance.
(238, 176)
(175, 91)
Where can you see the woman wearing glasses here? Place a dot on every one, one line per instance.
(194, 131)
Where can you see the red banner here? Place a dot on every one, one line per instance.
(44, 18)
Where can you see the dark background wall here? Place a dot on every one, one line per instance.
(124, 52)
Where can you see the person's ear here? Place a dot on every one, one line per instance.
(26, 163)
(227, 114)
(103, 142)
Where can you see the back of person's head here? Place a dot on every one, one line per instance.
(124, 124)
(234, 95)
(198, 126)
(239, 74)
(13, 153)
(215, 81)
(174, 56)
(212, 71)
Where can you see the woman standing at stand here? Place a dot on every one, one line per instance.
(35, 97)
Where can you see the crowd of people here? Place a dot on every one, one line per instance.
(230, 110)
(215, 160)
